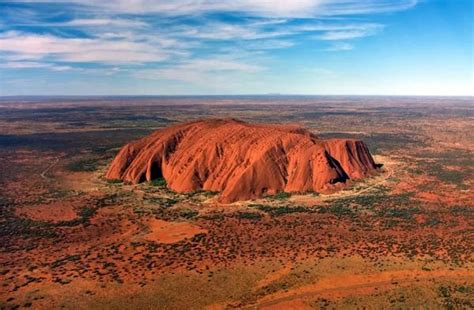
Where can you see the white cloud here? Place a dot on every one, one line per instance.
(101, 22)
(342, 35)
(19, 57)
(346, 34)
(227, 31)
(272, 8)
(219, 65)
(154, 32)
(337, 32)
(136, 46)
(24, 46)
(357, 7)
(186, 7)
(200, 71)
(268, 44)
(87, 23)
(34, 65)
(249, 31)
(338, 25)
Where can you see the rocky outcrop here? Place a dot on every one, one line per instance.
(240, 160)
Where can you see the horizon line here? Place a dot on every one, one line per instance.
(234, 95)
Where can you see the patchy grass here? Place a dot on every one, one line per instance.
(87, 164)
(114, 181)
(187, 291)
(162, 201)
(434, 164)
(279, 210)
(248, 215)
(280, 196)
(183, 213)
(338, 209)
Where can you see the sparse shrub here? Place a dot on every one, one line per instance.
(87, 212)
(249, 215)
(280, 196)
(184, 213)
(340, 210)
(209, 193)
(161, 182)
(114, 181)
(162, 201)
(213, 216)
(444, 291)
(62, 261)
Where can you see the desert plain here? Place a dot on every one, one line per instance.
(72, 238)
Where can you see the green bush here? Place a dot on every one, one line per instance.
(86, 213)
(114, 181)
(158, 182)
(249, 215)
(280, 196)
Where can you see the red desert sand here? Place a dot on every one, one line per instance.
(53, 212)
(242, 161)
(171, 232)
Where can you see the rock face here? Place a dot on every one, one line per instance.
(240, 160)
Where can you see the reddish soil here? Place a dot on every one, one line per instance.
(69, 239)
(296, 304)
(171, 232)
(274, 276)
(53, 212)
(243, 161)
(350, 285)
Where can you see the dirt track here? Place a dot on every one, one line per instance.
(309, 199)
(387, 175)
(45, 171)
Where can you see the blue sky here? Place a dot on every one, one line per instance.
(174, 47)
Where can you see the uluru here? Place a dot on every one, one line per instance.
(240, 160)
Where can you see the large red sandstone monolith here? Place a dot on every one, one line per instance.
(241, 161)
